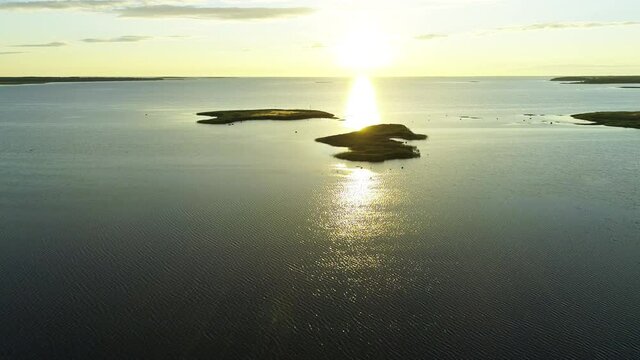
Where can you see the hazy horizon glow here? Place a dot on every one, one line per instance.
(318, 38)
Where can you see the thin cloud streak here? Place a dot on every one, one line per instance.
(11, 52)
(565, 25)
(219, 13)
(536, 27)
(60, 5)
(144, 9)
(51, 44)
(426, 37)
(119, 39)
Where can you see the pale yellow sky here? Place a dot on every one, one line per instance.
(318, 38)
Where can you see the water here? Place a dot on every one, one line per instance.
(129, 231)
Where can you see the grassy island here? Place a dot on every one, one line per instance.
(230, 116)
(599, 79)
(626, 119)
(24, 80)
(375, 143)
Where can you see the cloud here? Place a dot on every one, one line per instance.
(534, 27)
(575, 67)
(565, 25)
(430, 36)
(160, 9)
(119, 39)
(51, 44)
(11, 52)
(60, 5)
(220, 13)
(318, 45)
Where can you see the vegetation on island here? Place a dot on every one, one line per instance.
(24, 80)
(626, 119)
(599, 79)
(230, 116)
(375, 143)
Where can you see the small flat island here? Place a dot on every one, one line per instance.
(375, 143)
(231, 116)
(626, 119)
(25, 80)
(599, 79)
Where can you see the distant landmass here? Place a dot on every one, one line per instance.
(599, 79)
(626, 119)
(375, 143)
(44, 80)
(231, 116)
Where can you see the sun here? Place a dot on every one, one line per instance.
(364, 48)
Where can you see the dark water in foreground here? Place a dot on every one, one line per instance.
(128, 231)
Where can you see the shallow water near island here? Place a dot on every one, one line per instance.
(129, 231)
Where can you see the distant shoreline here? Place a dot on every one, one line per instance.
(26, 80)
(625, 119)
(35, 80)
(599, 79)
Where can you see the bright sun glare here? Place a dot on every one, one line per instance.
(364, 48)
(362, 109)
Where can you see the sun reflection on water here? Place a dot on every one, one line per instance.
(359, 190)
(356, 217)
(353, 201)
(362, 109)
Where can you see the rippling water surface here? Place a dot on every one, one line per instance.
(129, 231)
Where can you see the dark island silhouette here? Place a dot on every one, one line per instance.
(231, 116)
(599, 79)
(626, 119)
(375, 143)
(25, 80)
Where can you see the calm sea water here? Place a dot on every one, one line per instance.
(129, 231)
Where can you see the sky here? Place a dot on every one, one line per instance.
(319, 37)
